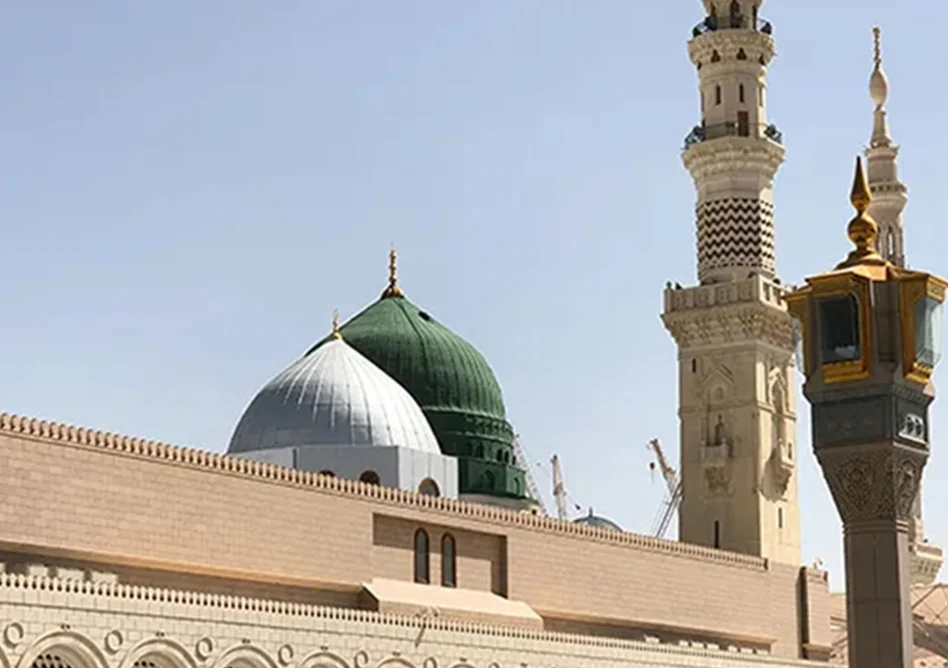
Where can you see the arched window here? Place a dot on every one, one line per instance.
(370, 478)
(429, 487)
(717, 95)
(487, 481)
(449, 561)
(422, 558)
(479, 452)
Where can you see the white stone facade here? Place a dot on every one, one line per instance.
(54, 623)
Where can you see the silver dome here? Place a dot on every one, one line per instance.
(598, 522)
(333, 396)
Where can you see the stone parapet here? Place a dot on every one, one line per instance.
(88, 625)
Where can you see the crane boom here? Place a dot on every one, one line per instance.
(673, 496)
(520, 457)
(559, 488)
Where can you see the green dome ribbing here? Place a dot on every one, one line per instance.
(453, 384)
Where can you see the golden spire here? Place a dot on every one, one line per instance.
(392, 290)
(336, 334)
(862, 229)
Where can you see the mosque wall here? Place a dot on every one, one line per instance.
(68, 493)
(48, 623)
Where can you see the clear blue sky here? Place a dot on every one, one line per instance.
(187, 191)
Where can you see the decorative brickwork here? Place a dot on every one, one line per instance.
(735, 232)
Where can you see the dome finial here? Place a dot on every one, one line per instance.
(392, 290)
(878, 82)
(862, 229)
(336, 334)
(877, 44)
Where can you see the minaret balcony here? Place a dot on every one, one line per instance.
(703, 133)
(715, 456)
(735, 22)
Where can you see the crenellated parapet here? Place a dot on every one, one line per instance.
(728, 313)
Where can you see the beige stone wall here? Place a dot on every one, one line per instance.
(68, 494)
(113, 626)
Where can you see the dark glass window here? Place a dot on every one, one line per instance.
(370, 477)
(928, 323)
(422, 557)
(839, 329)
(429, 487)
(449, 561)
(717, 535)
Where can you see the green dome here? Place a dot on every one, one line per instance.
(453, 384)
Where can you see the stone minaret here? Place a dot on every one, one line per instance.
(889, 197)
(737, 407)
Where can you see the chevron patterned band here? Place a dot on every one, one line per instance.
(735, 232)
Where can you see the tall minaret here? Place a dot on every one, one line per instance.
(737, 407)
(889, 197)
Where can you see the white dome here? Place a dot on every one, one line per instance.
(333, 396)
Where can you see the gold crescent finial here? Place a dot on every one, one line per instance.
(336, 334)
(862, 229)
(877, 44)
(392, 290)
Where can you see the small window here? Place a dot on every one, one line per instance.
(780, 518)
(839, 329)
(702, 101)
(789, 450)
(370, 478)
(429, 487)
(694, 366)
(327, 473)
(760, 95)
(717, 95)
(449, 561)
(717, 535)
(422, 558)
(740, 93)
(479, 452)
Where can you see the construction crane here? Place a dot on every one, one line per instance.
(559, 488)
(521, 460)
(673, 497)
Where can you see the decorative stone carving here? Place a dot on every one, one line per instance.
(113, 641)
(718, 479)
(203, 648)
(285, 655)
(13, 634)
(875, 484)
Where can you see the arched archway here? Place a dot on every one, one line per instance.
(370, 478)
(159, 653)
(63, 649)
(245, 656)
(429, 487)
(323, 659)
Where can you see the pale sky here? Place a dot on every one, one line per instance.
(188, 190)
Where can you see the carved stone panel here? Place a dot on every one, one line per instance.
(877, 484)
(852, 421)
(911, 422)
